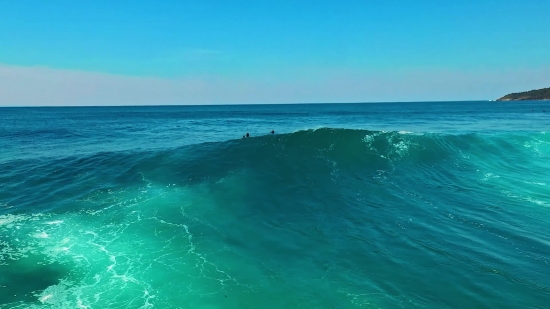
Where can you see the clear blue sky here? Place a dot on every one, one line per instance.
(275, 39)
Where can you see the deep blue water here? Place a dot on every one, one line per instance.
(394, 205)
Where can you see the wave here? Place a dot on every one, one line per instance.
(353, 148)
(328, 211)
(339, 154)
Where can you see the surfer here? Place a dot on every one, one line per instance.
(272, 132)
(247, 135)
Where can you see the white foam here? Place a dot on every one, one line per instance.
(10, 219)
(537, 183)
(401, 147)
(54, 222)
(488, 176)
(100, 250)
(537, 202)
(45, 298)
(41, 235)
(410, 133)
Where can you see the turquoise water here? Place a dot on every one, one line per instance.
(411, 205)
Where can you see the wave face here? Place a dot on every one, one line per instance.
(325, 218)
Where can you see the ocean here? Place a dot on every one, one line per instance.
(382, 205)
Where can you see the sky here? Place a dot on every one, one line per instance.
(62, 52)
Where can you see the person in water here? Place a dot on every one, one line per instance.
(272, 132)
(247, 135)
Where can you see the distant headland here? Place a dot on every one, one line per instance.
(539, 94)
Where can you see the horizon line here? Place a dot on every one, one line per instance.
(246, 104)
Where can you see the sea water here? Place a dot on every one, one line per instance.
(395, 205)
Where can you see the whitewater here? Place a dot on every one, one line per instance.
(389, 205)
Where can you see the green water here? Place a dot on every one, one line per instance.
(326, 218)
